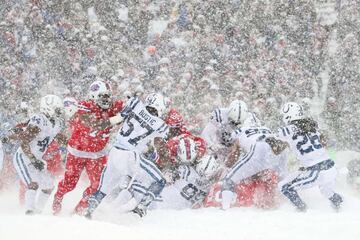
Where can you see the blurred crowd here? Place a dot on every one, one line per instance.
(200, 53)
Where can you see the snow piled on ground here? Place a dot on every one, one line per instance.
(319, 222)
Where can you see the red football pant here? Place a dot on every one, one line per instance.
(74, 167)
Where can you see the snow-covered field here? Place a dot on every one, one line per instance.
(319, 222)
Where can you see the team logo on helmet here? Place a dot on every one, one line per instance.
(94, 87)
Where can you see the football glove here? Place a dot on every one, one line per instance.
(39, 165)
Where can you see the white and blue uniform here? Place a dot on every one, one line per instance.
(257, 156)
(188, 190)
(126, 159)
(38, 146)
(27, 172)
(317, 168)
(213, 130)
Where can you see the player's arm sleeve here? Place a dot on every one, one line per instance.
(83, 108)
(184, 172)
(209, 134)
(129, 106)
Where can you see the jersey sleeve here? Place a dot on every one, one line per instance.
(283, 134)
(200, 144)
(84, 107)
(118, 106)
(129, 106)
(184, 172)
(216, 116)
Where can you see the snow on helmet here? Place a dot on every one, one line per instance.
(186, 151)
(70, 106)
(292, 111)
(51, 105)
(208, 166)
(174, 119)
(101, 93)
(238, 112)
(156, 101)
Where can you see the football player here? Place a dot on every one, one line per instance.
(218, 132)
(189, 185)
(90, 127)
(257, 155)
(130, 156)
(302, 135)
(40, 131)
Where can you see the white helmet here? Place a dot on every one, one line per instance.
(238, 112)
(186, 151)
(292, 111)
(156, 101)
(51, 105)
(101, 93)
(70, 106)
(208, 166)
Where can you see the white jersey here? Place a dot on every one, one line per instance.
(1, 157)
(248, 136)
(186, 191)
(139, 128)
(216, 126)
(48, 131)
(307, 147)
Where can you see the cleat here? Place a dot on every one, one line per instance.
(30, 212)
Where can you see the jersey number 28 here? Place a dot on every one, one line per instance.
(307, 143)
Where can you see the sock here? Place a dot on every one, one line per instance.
(95, 200)
(226, 199)
(42, 200)
(30, 197)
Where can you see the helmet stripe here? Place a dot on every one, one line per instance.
(187, 147)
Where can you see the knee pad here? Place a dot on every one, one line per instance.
(228, 184)
(33, 186)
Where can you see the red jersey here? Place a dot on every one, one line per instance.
(84, 139)
(173, 143)
(175, 120)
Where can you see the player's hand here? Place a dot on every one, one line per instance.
(39, 165)
(5, 140)
(226, 139)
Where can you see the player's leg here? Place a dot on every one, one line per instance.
(148, 187)
(300, 180)
(266, 192)
(326, 184)
(120, 164)
(28, 175)
(248, 165)
(22, 191)
(73, 169)
(93, 168)
(46, 186)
